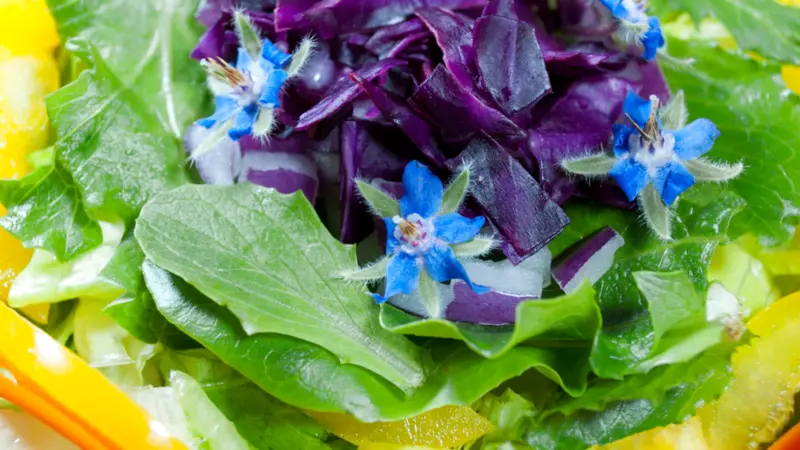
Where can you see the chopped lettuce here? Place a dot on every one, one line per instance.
(47, 280)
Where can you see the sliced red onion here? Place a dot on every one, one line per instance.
(510, 285)
(589, 259)
(222, 164)
(285, 172)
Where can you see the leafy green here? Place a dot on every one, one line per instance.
(611, 410)
(108, 347)
(699, 226)
(46, 280)
(758, 121)
(114, 149)
(307, 376)
(268, 258)
(45, 211)
(264, 421)
(763, 26)
(145, 45)
(507, 413)
(679, 318)
(205, 420)
(570, 320)
(135, 310)
(112, 144)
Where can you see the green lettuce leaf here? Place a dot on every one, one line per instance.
(109, 348)
(758, 119)
(145, 45)
(268, 258)
(307, 376)
(678, 313)
(45, 211)
(612, 410)
(763, 26)
(264, 421)
(205, 420)
(135, 310)
(550, 325)
(114, 147)
(627, 337)
(47, 280)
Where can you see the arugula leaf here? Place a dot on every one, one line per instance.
(700, 225)
(763, 26)
(115, 149)
(571, 320)
(145, 45)
(758, 119)
(135, 311)
(268, 258)
(307, 376)
(45, 211)
(612, 410)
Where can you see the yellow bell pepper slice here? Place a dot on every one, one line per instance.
(58, 387)
(445, 427)
(26, 27)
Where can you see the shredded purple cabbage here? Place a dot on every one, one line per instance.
(509, 86)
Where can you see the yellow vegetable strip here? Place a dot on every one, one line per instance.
(79, 396)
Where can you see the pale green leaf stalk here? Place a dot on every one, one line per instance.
(248, 36)
(705, 170)
(371, 272)
(379, 202)
(479, 246)
(455, 193)
(656, 213)
(674, 115)
(594, 165)
(301, 56)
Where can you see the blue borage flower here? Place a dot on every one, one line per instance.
(418, 236)
(648, 153)
(657, 156)
(422, 231)
(635, 22)
(247, 93)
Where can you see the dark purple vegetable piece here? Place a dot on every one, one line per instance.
(510, 63)
(589, 259)
(583, 61)
(405, 118)
(385, 38)
(332, 17)
(458, 113)
(343, 92)
(492, 308)
(364, 155)
(221, 41)
(453, 33)
(510, 197)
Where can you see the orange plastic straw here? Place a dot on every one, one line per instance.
(60, 389)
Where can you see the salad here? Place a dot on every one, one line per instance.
(416, 224)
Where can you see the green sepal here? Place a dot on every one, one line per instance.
(656, 212)
(248, 36)
(455, 193)
(379, 202)
(590, 165)
(705, 170)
